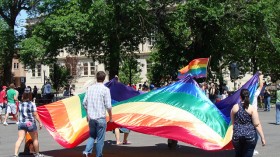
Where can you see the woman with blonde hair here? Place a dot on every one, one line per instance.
(27, 116)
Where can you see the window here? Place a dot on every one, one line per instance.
(86, 69)
(149, 65)
(15, 65)
(152, 38)
(39, 70)
(33, 72)
(92, 68)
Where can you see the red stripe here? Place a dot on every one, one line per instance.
(199, 61)
(180, 134)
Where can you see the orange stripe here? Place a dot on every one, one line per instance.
(199, 61)
(195, 63)
(133, 119)
(60, 119)
(62, 123)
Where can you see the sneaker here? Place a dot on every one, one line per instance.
(17, 123)
(256, 152)
(38, 155)
(85, 155)
(5, 123)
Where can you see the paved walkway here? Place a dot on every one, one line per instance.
(142, 145)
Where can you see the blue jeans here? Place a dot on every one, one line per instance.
(278, 113)
(28, 126)
(267, 103)
(245, 146)
(97, 130)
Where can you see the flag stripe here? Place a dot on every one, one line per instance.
(194, 64)
(197, 127)
(188, 69)
(189, 137)
(188, 103)
(63, 125)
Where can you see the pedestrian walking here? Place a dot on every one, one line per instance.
(3, 101)
(278, 105)
(246, 124)
(12, 98)
(27, 116)
(96, 101)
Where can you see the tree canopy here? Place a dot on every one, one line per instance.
(246, 32)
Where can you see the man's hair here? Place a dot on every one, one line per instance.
(12, 85)
(100, 76)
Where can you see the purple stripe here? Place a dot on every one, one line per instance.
(226, 105)
(120, 91)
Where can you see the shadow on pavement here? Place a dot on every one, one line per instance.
(158, 150)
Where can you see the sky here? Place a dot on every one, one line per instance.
(20, 22)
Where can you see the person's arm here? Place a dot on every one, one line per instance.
(109, 110)
(36, 116)
(108, 104)
(260, 82)
(85, 103)
(232, 113)
(16, 96)
(268, 91)
(258, 126)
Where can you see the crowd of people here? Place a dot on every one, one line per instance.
(247, 127)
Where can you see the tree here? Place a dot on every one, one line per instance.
(130, 70)
(3, 40)
(103, 29)
(33, 47)
(9, 10)
(228, 31)
(59, 76)
(71, 63)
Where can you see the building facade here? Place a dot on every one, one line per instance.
(82, 68)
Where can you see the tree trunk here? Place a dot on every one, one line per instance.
(114, 58)
(7, 73)
(8, 61)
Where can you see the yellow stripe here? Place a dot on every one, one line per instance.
(187, 68)
(73, 108)
(173, 114)
(198, 66)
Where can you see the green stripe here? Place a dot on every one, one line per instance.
(199, 108)
(83, 110)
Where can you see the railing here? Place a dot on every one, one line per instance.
(43, 101)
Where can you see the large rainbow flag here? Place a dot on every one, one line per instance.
(180, 111)
(196, 68)
(66, 119)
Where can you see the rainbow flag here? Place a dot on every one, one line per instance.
(180, 111)
(196, 68)
(226, 105)
(66, 119)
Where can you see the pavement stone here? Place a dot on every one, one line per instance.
(142, 145)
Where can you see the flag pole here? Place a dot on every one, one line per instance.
(207, 68)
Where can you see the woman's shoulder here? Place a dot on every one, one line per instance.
(235, 108)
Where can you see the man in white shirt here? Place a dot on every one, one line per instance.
(97, 101)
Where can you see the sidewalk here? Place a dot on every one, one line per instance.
(142, 145)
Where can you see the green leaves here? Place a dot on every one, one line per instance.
(33, 47)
